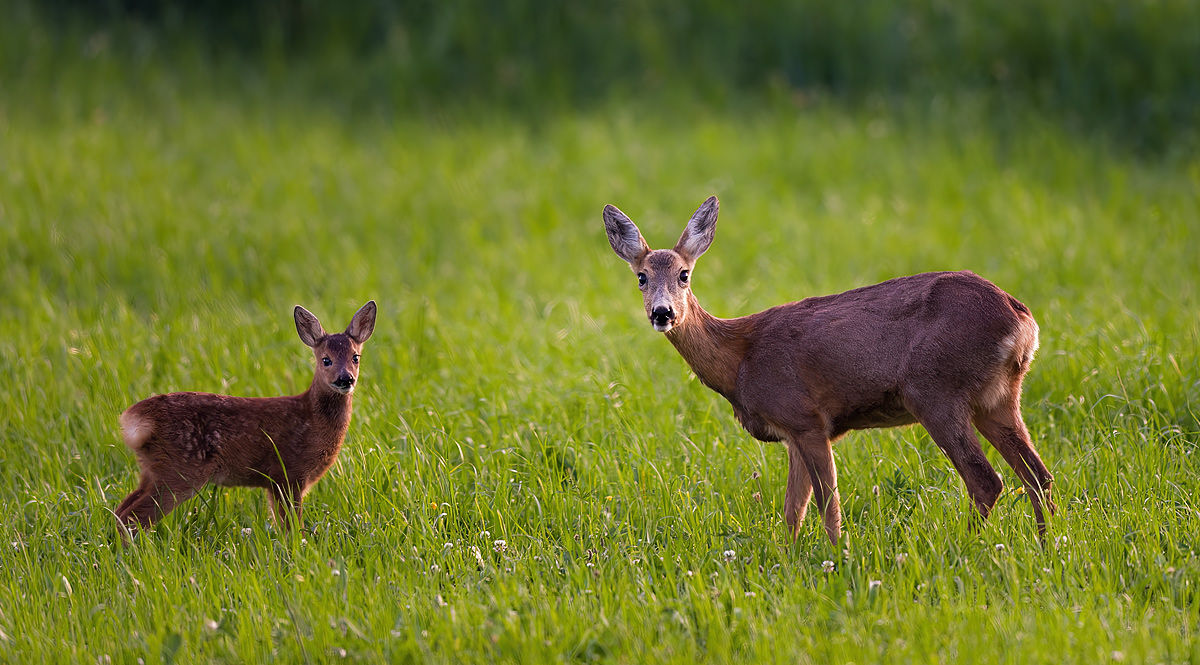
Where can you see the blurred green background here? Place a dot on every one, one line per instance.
(1130, 69)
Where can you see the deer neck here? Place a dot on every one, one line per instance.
(714, 348)
(330, 406)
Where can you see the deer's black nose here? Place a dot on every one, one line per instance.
(662, 315)
(344, 381)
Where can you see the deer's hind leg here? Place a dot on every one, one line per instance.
(122, 510)
(157, 500)
(1005, 429)
(950, 427)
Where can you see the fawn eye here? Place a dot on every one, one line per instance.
(356, 359)
(326, 361)
(683, 276)
(641, 279)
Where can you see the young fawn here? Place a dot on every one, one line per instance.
(184, 441)
(944, 349)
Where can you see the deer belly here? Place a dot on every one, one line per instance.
(757, 426)
(888, 412)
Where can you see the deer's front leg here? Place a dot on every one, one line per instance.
(817, 453)
(286, 504)
(799, 490)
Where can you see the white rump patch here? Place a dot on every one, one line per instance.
(995, 392)
(136, 429)
(1016, 354)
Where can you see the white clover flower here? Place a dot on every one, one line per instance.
(246, 532)
(901, 557)
(874, 584)
(827, 566)
(730, 555)
(500, 546)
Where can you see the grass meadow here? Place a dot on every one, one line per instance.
(532, 473)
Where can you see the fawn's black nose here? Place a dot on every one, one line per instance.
(344, 381)
(662, 315)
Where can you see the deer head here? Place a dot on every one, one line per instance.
(664, 275)
(336, 354)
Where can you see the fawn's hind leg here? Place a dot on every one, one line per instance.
(122, 510)
(155, 501)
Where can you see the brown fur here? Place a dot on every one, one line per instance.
(944, 349)
(184, 441)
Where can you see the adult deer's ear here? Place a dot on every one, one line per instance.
(700, 230)
(623, 235)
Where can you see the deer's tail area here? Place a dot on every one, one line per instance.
(1021, 344)
(136, 427)
(1016, 352)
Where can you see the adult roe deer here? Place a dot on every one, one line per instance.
(943, 349)
(283, 444)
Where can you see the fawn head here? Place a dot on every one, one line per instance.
(664, 275)
(336, 354)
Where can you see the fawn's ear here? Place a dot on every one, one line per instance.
(623, 235)
(363, 323)
(311, 332)
(700, 230)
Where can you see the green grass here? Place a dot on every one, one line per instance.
(155, 237)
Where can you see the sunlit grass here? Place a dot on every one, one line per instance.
(532, 473)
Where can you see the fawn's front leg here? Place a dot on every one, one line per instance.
(287, 505)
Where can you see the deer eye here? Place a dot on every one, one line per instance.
(356, 359)
(683, 276)
(326, 361)
(641, 279)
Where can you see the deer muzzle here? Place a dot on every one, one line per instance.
(662, 318)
